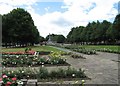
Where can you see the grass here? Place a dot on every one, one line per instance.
(112, 47)
(36, 48)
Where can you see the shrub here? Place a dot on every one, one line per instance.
(43, 73)
(77, 56)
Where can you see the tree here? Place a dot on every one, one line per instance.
(56, 38)
(20, 28)
(60, 39)
(93, 33)
(116, 28)
(41, 39)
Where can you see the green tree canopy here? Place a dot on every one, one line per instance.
(18, 27)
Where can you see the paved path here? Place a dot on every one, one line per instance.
(101, 68)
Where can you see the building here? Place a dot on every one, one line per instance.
(119, 7)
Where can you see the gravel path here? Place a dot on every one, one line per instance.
(101, 68)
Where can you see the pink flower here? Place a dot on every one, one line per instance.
(14, 79)
(4, 76)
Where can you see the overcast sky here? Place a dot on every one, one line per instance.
(58, 16)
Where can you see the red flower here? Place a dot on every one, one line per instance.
(14, 79)
(8, 83)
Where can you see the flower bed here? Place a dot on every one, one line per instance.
(19, 53)
(108, 50)
(26, 53)
(81, 50)
(8, 81)
(25, 60)
(42, 73)
(85, 51)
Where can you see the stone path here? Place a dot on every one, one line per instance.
(101, 68)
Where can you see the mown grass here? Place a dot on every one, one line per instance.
(112, 47)
(36, 48)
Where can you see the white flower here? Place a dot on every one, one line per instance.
(17, 56)
(73, 75)
(83, 81)
(22, 71)
(12, 71)
(20, 82)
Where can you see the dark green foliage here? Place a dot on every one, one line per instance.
(43, 73)
(116, 27)
(96, 33)
(18, 27)
(56, 38)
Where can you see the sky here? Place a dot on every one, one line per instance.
(59, 16)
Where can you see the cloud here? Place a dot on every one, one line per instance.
(5, 8)
(47, 8)
(61, 22)
(78, 13)
(19, 2)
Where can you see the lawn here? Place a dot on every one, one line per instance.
(112, 47)
(36, 48)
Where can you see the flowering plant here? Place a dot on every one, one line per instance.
(7, 81)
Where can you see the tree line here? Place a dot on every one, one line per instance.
(103, 32)
(18, 28)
